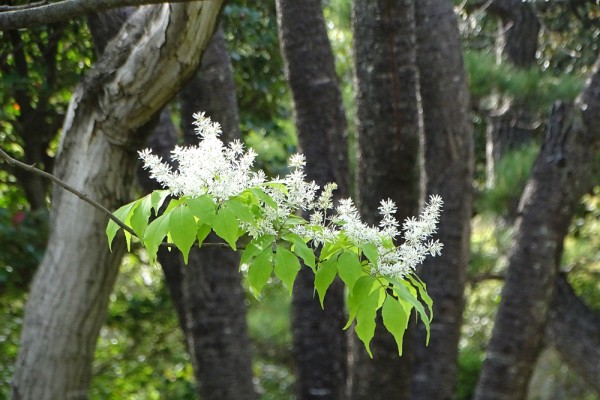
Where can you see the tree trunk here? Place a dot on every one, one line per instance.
(389, 138)
(559, 178)
(574, 330)
(141, 70)
(320, 344)
(217, 333)
(449, 169)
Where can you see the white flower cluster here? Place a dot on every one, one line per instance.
(224, 172)
(393, 261)
(208, 168)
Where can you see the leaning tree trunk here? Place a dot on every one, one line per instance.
(389, 136)
(574, 330)
(319, 342)
(449, 169)
(559, 178)
(141, 70)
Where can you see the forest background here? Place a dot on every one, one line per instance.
(518, 59)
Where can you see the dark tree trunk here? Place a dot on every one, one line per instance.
(449, 169)
(389, 136)
(319, 342)
(559, 178)
(512, 126)
(574, 330)
(217, 333)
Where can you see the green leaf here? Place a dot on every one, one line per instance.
(286, 267)
(395, 319)
(370, 250)
(365, 319)
(324, 277)
(261, 195)
(226, 226)
(422, 288)
(358, 296)
(202, 208)
(349, 268)
(183, 229)
(242, 211)
(122, 214)
(256, 246)
(203, 232)
(301, 249)
(157, 198)
(259, 271)
(404, 293)
(155, 233)
(141, 215)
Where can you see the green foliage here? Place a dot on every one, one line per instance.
(23, 236)
(186, 219)
(263, 94)
(512, 173)
(141, 352)
(534, 88)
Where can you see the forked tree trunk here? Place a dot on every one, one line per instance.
(560, 176)
(449, 169)
(141, 70)
(389, 138)
(319, 341)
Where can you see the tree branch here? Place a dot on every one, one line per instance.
(30, 168)
(40, 13)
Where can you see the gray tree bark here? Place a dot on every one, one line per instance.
(574, 330)
(560, 176)
(319, 342)
(389, 158)
(158, 50)
(449, 169)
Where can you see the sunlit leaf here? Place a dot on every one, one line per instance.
(226, 226)
(349, 268)
(395, 319)
(183, 229)
(286, 267)
(155, 233)
(259, 271)
(324, 277)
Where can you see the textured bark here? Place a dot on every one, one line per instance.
(217, 333)
(511, 126)
(559, 178)
(141, 70)
(319, 341)
(389, 136)
(574, 330)
(449, 169)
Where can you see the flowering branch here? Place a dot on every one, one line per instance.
(32, 169)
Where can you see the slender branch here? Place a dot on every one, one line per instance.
(41, 13)
(30, 168)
